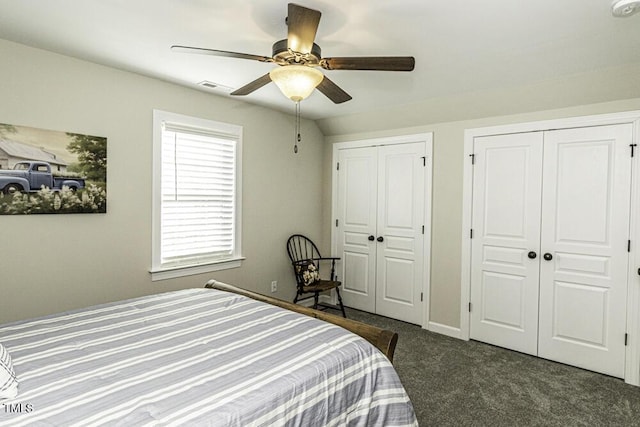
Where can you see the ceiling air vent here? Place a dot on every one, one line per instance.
(214, 86)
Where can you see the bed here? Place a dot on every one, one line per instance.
(215, 356)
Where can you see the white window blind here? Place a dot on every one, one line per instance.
(198, 195)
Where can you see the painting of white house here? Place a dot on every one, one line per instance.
(51, 172)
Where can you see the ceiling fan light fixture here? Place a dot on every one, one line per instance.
(296, 82)
(624, 8)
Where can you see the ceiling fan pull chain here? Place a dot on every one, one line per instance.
(297, 128)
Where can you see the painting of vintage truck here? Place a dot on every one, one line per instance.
(51, 172)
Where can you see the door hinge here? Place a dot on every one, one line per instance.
(336, 222)
(471, 234)
(469, 307)
(424, 161)
(626, 339)
(421, 295)
(633, 146)
(628, 245)
(423, 229)
(473, 158)
(338, 166)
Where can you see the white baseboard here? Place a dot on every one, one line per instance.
(324, 299)
(449, 331)
(306, 303)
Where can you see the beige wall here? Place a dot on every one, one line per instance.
(448, 161)
(51, 263)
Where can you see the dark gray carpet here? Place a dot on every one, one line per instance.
(467, 383)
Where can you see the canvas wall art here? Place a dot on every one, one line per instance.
(51, 172)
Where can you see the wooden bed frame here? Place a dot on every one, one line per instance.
(383, 339)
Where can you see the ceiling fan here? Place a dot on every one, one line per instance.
(298, 58)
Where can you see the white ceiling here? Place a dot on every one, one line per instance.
(459, 46)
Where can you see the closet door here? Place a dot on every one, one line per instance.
(585, 229)
(505, 244)
(380, 219)
(357, 210)
(400, 242)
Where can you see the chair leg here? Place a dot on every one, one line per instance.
(340, 302)
(295, 300)
(315, 300)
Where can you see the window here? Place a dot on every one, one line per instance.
(196, 195)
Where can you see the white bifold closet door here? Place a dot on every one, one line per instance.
(549, 251)
(585, 228)
(506, 228)
(380, 212)
(357, 219)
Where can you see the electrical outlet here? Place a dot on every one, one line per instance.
(274, 286)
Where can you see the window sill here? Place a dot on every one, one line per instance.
(175, 272)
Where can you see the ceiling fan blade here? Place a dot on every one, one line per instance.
(215, 52)
(254, 85)
(374, 63)
(303, 24)
(333, 91)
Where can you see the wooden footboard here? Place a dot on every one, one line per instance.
(382, 339)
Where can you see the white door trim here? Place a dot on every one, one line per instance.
(427, 138)
(632, 355)
(632, 360)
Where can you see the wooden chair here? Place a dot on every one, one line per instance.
(306, 261)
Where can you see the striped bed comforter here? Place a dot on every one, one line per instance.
(197, 357)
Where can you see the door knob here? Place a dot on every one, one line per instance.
(371, 238)
(532, 255)
(547, 256)
(380, 239)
